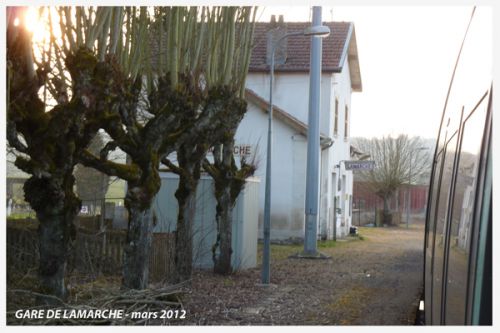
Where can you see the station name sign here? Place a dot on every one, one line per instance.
(238, 150)
(359, 165)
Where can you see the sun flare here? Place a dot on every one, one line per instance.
(35, 24)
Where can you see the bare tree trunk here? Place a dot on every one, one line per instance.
(224, 182)
(186, 198)
(138, 246)
(229, 180)
(56, 207)
(386, 213)
(139, 199)
(189, 156)
(222, 262)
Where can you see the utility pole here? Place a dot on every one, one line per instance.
(319, 31)
(313, 148)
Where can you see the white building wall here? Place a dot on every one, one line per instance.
(288, 171)
(341, 150)
(244, 228)
(325, 204)
(291, 93)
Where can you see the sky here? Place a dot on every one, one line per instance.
(406, 57)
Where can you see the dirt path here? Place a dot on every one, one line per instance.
(373, 281)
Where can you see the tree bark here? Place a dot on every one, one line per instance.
(387, 213)
(229, 180)
(56, 207)
(138, 246)
(139, 199)
(222, 262)
(186, 198)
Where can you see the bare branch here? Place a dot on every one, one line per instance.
(127, 172)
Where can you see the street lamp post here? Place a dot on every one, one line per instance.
(408, 206)
(310, 31)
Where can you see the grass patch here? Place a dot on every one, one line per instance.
(326, 244)
(21, 216)
(282, 251)
(356, 237)
(348, 306)
(227, 282)
(369, 232)
(278, 252)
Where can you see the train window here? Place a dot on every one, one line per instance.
(433, 195)
(440, 229)
(462, 216)
(434, 191)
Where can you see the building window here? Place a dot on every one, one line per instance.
(336, 120)
(346, 123)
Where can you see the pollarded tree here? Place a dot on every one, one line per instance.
(393, 158)
(180, 112)
(147, 122)
(225, 64)
(48, 139)
(229, 179)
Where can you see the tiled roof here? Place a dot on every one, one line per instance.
(298, 47)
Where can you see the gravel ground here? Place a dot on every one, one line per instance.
(375, 280)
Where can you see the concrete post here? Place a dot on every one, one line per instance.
(313, 144)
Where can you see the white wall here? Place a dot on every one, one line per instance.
(291, 93)
(288, 171)
(340, 151)
(245, 219)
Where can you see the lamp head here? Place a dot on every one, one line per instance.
(317, 30)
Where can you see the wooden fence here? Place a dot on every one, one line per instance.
(90, 253)
(22, 249)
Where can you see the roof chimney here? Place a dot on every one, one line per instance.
(276, 30)
(273, 21)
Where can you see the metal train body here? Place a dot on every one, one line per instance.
(458, 233)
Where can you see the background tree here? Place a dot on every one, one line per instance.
(392, 157)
